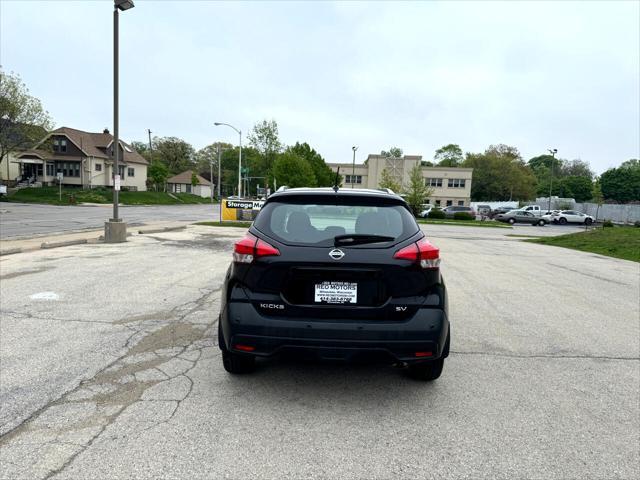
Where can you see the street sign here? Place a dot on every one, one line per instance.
(116, 182)
(60, 176)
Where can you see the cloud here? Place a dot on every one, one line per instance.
(416, 74)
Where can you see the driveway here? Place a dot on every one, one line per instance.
(25, 220)
(110, 369)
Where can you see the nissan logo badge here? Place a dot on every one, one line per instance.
(336, 254)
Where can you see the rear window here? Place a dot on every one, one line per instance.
(318, 224)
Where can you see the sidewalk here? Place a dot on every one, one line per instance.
(37, 242)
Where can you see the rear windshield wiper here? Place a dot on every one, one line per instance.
(360, 238)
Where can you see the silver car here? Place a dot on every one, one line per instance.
(520, 216)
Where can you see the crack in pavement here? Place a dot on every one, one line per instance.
(160, 354)
(558, 356)
(591, 275)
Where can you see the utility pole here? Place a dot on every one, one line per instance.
(353, 166)
(553, 155)
(150, 147)
(211, 179)
(219, 170)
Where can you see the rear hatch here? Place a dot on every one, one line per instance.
(338, 257)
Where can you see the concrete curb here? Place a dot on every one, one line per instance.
(64, 244)
(160, 230)
(10, 251)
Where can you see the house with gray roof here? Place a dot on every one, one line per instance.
(186, 182)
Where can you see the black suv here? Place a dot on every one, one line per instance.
(339, 274)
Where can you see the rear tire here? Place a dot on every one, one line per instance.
(562, 221)
(542, 223)
(427, 371)
(238, 363)
(447, 343)
(512, 221)
(235, 363)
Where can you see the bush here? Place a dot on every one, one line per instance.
(463, 216)
(607, 223)
(436, 213)
(636, 224)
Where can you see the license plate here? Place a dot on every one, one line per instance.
(336, 292)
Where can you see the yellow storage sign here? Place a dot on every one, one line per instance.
(240, 210)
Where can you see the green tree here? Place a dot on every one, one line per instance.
(175, 153)
(264, 138)
(579, 188)
(417, 191)
(542, 161)
(23, 120)
(207, 156)
(596, 196)
(325, 177)
(157, 175)
(394, 152)
(449, 156)
(293, 171)
(388, 181)
(194, 179)
(576, 168)
(622, 184)
(500, 174)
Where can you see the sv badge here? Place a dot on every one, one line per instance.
(401, 309)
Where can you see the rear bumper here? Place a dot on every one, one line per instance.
(425, 332)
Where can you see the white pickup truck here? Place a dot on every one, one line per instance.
(535, 209)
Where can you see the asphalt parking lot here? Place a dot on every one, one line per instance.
(23, 220)
(109, 369)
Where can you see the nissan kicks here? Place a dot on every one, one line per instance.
(336, 274)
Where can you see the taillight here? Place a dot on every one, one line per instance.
(422, 252)
(250, 248)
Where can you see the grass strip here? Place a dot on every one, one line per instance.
(225, 224)
(617, 242)
(73, 196)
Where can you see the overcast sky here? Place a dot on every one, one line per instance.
(416, 75)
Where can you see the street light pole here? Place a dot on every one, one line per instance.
(217, 124)
(219, 170)
(211, 179)
(553, 155)
(115, 230)
(116, 113)
(353, 166)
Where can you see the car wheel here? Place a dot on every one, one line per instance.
(238, 363)
(542, 223)
(234, 362)
(588, 221)
(426, 371)
(562, 221)
(512, 221)
(221, 345)
(445, 350)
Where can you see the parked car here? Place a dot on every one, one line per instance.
(453, 209)
(520, 216)
(484, 210)
(571, 216)
(425, 209)
(357, 279)
(548, 217)
(499, 210)
(535, 209)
